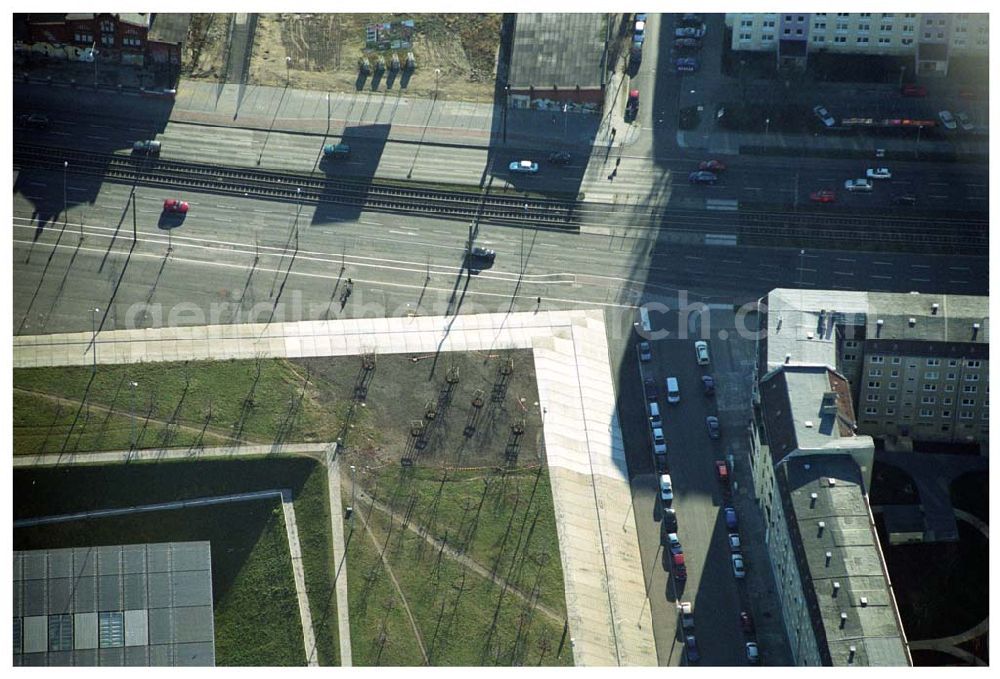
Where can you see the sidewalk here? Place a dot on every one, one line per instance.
(609, 623)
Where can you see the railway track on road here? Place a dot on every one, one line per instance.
(151, 171)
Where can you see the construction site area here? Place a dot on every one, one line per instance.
(451, 56)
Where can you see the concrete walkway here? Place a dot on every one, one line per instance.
(291, 531)
(339, 553)
(605, 591)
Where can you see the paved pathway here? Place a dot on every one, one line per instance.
(291, 531)
(339, 553)
(605, 591)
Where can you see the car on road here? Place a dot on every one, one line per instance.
(523, 167)
(666, 489)
(948, 120)
(649, 386)
(659, 442)
(708, 385)
(701, 177)
(712, 422)
(734, 543)
(753, 654)
(560, 158)
(669, 519)
(746, 622)
(677, 566)
(686, 64)
(339, 151)
(645, 353)
(911, 90)
(722, 471)
(149, 147)
(172, 205)
(687, 43)
(731, 521)
(35, 121)
(632, 106)
(639, 28)
(963, 120)
(862, 185)
(686, 611)
(712, 166)
(660, 462)
(691, 649)
(674, 543)
(483, 253)
(824, 196)
(655, 421)
(673, 390)
(701, 352)
(739, 569)
(878, 173)
(904, 199)
(690, 31)
(824, 116)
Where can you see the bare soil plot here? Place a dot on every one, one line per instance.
(325, 49)
(204, 55)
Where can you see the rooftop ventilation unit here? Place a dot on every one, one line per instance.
(864, 601)
(832, 482)
(812, 499)
(912, 322)
(809, 335)
(878, 327)
(788, 357)
(934, 309)
(843, 620)
(808, 424)
(836, 588)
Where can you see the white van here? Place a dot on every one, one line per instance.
(655, 421)
(673, 390)
(659, 442)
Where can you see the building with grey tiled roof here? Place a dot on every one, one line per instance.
(558, 58)
(148, 604)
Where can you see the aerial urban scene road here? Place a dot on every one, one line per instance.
(624, 339)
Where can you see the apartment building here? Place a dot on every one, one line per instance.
(918, 364)
(932, 39)
(811, 470)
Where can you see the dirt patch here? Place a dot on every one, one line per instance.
(204, 56)
(414, 409)
(324, 52)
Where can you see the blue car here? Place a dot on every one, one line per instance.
(730, 514)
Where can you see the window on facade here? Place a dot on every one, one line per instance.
(945, 413)
(872, 398)
(968, 402)
(851, 344)
(890, 411)
(768, 24)
(840, 38)
(931, 375)
(744, 37)
(841, 25)
(972, 364)
(788, 31)
(927, 36)
(863, 41)
(930, 387)
(746, 23)
(875, 372)
(820, 38)
(847, 357)
(888, 16)
(941, 22)
(986, 414)
(947, 400)
(940, 35)
(952, 376)
(932, 362)
(945, 427)
(798, 31)
(928, 400)
(893, 385)
(896, 360)
(766, 37)
(949, 387)
(959, 42)
(952, 363)
(876, 359)
(871, 410)
(972, 377)
(874, 385)
(864, 27)
(865, 15)
(108, 26)
(969, 389)
(894, 373)
(910, 16)
(965, 415)
(926, 412)
(885, 28)
(907, 41)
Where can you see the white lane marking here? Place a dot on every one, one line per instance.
(958, 281)
(922, 280)
(844, 273)
(37, 184)
(937, 196)
(882, 263)
(95, 136)
(692, 257)
(76, 188)
(846, 259)
(959, 268)
(403, 233)
(883, 277)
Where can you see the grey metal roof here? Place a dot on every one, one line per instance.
(951, 322)
(171, 27)
(565, 50)
(114, 605)
(844, 550)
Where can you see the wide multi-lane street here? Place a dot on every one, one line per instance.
(94, 254)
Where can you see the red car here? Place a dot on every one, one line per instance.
(632, 106)
(174, 205)
(914, 91)
(722, 471)
(823, 196)
(712, 166)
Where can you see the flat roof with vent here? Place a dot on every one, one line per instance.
(565, 50)
(133, 605)
(840, 562)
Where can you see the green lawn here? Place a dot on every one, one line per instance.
(243, 587)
